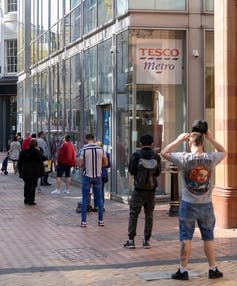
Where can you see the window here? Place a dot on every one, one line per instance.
(12, 5)
(11, 56)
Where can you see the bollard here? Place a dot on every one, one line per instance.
(174, 194)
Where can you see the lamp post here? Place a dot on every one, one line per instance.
(174, 194)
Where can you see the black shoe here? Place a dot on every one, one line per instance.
(146, 244)
(95, 210)
(32, 204)
(180, 276)
(129, 244)
(46, 184)
(213, 274)
(26, 202)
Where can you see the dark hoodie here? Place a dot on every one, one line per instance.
(146, 153)
(30, 163)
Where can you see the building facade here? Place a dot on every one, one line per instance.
(118, 69)
(8, 71)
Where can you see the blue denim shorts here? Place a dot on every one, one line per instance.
(203, 214)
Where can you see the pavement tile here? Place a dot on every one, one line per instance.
(45, 245)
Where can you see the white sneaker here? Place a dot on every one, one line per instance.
(66, 191)
(56, 192)
(39, 190)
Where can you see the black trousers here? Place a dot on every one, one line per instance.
(139, 199)
(29, 190)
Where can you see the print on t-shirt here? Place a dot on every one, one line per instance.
(197, 179)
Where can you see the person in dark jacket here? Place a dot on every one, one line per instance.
(145, 184)
(31, 166)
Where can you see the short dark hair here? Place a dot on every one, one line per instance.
(33, 135)
(146, 140)
(33, 143)
(90, 136)
(40, 133)
(67, 138)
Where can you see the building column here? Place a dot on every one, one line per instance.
(225, 190)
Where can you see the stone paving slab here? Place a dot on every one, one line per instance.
(44, 244)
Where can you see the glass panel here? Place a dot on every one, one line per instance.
(76, 99)
(105, 11)
(44, 46)
(44, 15)
(124, 99)
(76, 24)
(61, 34)
(90, 15)
(105, 72)
(53, 12)
(158, 4)
(90, 90)
(34, 104)
(34, 20)
(209, 5)
(209, 81)
(74, 3)
(54, 44)
(159, 94)
(43, 107)
(67, 6)
(121, 7)
(54, 100)
(67, 23)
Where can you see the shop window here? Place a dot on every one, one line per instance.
(11, 56)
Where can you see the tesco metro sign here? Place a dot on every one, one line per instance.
(159, 61)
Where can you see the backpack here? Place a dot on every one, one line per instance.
(145, 178)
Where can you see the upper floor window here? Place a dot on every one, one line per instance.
(11, 56)
(208, 5)
(11, 5)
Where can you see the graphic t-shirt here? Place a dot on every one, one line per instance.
(197, 171)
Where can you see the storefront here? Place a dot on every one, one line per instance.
(118, 76)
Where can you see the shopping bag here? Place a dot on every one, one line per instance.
(48, 166)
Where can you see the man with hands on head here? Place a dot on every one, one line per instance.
(197, 169)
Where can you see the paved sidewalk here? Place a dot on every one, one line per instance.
(44, 244)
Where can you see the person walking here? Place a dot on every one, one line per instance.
(30, 167)
(65, 160)
(197, 169)
(145, 166)
(14, 152)
(44, 148)
(92, 158)
(26, 141)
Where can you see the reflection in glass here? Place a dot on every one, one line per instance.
(90, 15)
(104, 72)
(124, 98)
(105, 11)
(90, 90)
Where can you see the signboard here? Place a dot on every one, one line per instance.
(159, 61)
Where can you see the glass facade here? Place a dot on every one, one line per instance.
(89, 74)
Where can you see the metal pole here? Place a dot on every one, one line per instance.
(174, 194)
